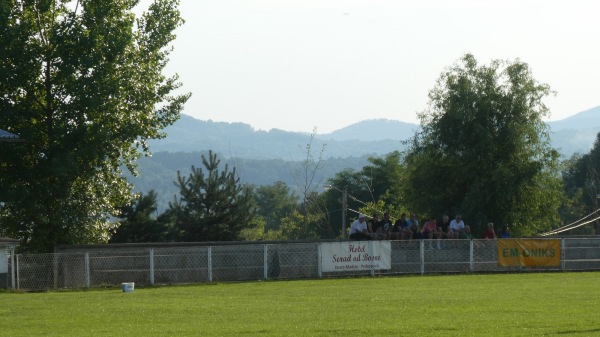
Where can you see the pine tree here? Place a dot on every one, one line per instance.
(213, 205)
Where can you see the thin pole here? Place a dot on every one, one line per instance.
(344, 207)
(13, 269)
(151, 266)
(86, 269)
(265, 262)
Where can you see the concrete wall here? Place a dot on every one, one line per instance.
(98, 265)
(4, 275)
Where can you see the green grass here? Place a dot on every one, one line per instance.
(533, 304)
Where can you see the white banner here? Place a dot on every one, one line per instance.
(355, 255)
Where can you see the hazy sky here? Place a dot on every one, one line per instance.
(299, 64)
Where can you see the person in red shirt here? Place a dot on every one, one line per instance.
(430, 231)
(489, 232)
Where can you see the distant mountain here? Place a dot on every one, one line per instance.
(374, 129)
(371, 137)
(264, 157)
(576, 134)
(587, 119)
(241, 140)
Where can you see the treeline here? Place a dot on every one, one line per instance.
(483, 151)
(158, 172)
(214, 205)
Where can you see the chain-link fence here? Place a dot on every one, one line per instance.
(581, 254)
(200, 264)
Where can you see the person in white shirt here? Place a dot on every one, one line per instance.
(358, 229)
(413, 223)
(457, 226)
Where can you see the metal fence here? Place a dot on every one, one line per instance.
(201, 264)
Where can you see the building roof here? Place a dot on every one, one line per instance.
(6, 136)
(7, 242)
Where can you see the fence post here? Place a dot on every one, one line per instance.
(151, 266)
(319, 266)
(210, 264)
(370, 243)
(265, 262)
(18, 280)
(422, 255)
(471, 257)
(12, 269)
(55, 269)
(86, 269)
(562, 254)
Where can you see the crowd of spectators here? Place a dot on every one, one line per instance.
(409, 229)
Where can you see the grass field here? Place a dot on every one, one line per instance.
(533, 304)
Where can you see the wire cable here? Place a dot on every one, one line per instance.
(572, 225)
(570, 228)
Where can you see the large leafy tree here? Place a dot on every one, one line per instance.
(385, 178)
(484, 150)
(356, 189)
(82, 83)
(582, 185)
(213, 204)
(274, 203)
(378, 187)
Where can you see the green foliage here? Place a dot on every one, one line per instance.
(358, 191)
(484, 149)
(377, 187)
(255, 231)
(314, 224)
(582, 185)
(386, 178)
(282, 217)
(81, 83)
(308, 182)
(157, 172)
(139, 222)
(380, 207)
(213, 206)
(296, 226)
(275, 202)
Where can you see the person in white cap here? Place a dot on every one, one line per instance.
(358, 230)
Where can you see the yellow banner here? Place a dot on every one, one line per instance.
(528, 252)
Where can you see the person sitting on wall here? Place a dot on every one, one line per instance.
(401, 230)
(430, 231)
(466, 233)
(395, 233)
(358, 229)
(413, 223)
(504, 234)
(385, 226)
(457, 226)
(373, 227)
(445, 227)
(490, 233)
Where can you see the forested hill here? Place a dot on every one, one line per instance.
(159, 172)
(372, 137)
(242, 141)
(576, 133)
(262, 158)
